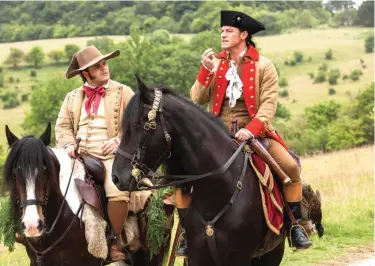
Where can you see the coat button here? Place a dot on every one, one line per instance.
(217, 95)
(251, 78)
(220, 77)
(251, 106)
(251, 62)
(251, 96)
(251, 70)
(218, 86)
(251, 87)
(216, 104)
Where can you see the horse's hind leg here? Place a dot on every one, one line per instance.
(272, 258)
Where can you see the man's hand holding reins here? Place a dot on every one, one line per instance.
(244, 134)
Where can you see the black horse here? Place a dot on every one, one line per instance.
(32, 177)
(192, 142)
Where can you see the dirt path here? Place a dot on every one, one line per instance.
(353, 256)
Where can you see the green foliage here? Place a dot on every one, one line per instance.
(35, 56)
(356, 74)
(33, 73)
(345, 17)
(104, 44)
(331, 91)
(25, 97)
(305, 19)
(369, 44)
(11, 79)
(283, 82)
(329, 54)
(333, 76)
(284, 93)
(320, 77)
(365, 14)
(15, 57)
(323, 67)
(1, 79)
(322, 114)
(12, 102)
(8, 95)
(70, 50)
(46, 100)
(311, 75)
(156, 221)
(9, 226)
(56, 56)
(298, 56)
(282, 112)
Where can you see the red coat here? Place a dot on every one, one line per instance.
(253, 89)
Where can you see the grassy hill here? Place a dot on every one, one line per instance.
(347, 45)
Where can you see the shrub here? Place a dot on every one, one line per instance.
(323, 67)
(333, 75)
(18, 80)
(311, 75)
(329, 55)
(283, 82)
(369, 44)
(356, 74)
(320, 77)
(331, 91)
(33, 73)
(25, 97)
(284, 93)
(345, 77)
(11, 79)
(298, 56)
(11, 103)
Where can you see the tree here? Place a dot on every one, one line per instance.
(35, 56)
(70, 50)
(104, 44)
(334, 5)
(365, 14)
(56, 56)
(321, 115)
(15, 57)
(333, 76)
(45, 103)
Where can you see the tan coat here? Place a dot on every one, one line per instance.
(116, 99)
(260, 90)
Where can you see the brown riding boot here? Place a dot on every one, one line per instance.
(117, 214)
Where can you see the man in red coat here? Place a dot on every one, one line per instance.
(240, 84)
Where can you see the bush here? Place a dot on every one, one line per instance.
(323, 67)
(11, 79)
(345, 77)
(356, 74)
(328, 55)
(18, 80)
(11, 101)
(310, 59)
(333, 75)
(292, 62)
(320, 77)
(298, 56)
(32, 73)
(1, 80)
(6, 96)
(369, 44)
(283, 82)
(25, 97)
(284, 93)
(331, 91)
(311, 75)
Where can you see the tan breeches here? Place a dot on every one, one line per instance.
(293, 191)
(112, 192)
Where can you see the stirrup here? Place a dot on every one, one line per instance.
(290, 240)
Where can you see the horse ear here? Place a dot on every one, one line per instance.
(143, 89)
(46, 136)
(10, 136)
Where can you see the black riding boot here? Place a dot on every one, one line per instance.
(297, 237)
(182, 250)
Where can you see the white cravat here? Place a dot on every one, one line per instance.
(234, 89)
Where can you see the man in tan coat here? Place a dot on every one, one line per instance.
(239, 84)
(93, 112)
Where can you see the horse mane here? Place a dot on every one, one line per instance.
(24, 153)
(133, 110)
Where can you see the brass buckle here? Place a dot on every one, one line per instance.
(239, 185)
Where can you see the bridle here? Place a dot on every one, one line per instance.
(141, 170)
(25, 203)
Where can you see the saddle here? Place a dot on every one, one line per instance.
(92, 189)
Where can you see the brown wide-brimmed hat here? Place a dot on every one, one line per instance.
(85, 58)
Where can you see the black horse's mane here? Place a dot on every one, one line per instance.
(134, 108)
(27, 152)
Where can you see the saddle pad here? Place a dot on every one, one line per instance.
(271, 196)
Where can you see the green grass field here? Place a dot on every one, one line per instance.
(345, 180)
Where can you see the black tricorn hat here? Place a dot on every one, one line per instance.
(241, 20)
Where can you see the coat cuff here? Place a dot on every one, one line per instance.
(255, 126)
(204, 76)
